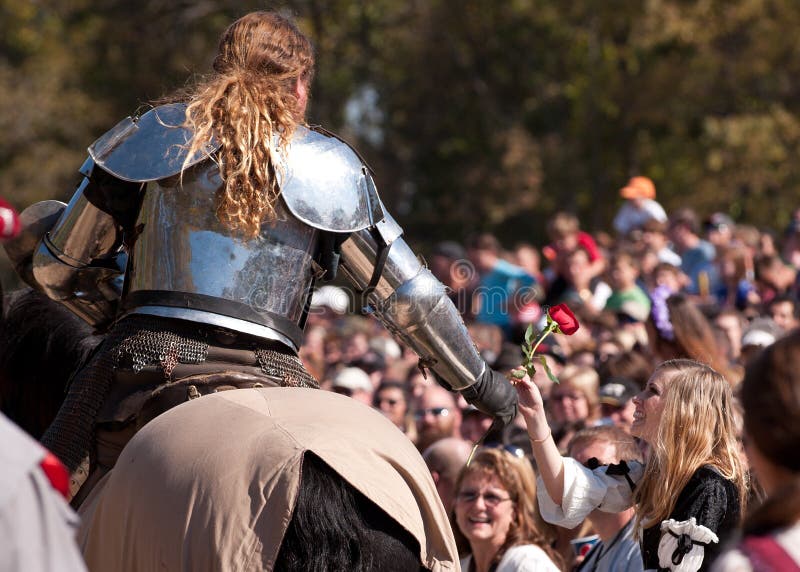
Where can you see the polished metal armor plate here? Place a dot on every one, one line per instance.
(326, 185)
(414, 306)
(148, 148)
(323, 181)
(187, 264)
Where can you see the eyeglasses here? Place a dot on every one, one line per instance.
(435, 411)
(490, 499)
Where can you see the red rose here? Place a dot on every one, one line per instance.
(566, 320)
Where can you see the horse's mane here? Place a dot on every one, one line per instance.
(41, 345)
(335, 527)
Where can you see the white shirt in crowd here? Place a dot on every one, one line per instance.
(522, 558)
(630, 216)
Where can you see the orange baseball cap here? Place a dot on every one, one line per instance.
(638, 188)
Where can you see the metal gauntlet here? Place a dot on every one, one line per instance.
(412, 303)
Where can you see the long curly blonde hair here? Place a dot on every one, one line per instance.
(249, 104)
(697, 428)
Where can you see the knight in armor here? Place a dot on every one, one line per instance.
(195, 239)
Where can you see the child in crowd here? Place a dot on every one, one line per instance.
(565, 234)
(622, 276)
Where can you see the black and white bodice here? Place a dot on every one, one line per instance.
(706, 512)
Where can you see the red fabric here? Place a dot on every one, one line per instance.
(766, 555)
(9, 221)
(586, 242)
(56, 473)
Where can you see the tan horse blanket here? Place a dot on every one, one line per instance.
(210, 484)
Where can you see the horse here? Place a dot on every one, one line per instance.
(41, 345)
(274, 478)
(270, 478)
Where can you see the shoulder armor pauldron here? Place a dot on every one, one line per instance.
(327, 185)
(149, 147)
(324, 182)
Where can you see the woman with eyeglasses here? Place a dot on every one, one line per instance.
(690, 493)
(497, 518)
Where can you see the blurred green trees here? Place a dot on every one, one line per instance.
(475, 114)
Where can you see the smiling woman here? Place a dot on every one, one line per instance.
(693, 482)
(688, 497)
(496, 514)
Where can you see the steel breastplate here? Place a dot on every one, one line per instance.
(185, 264)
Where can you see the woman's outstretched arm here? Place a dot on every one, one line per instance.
(549, 461)
(572, 491)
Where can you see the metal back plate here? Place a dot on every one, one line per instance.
(182, 247)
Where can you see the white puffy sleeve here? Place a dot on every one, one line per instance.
(682, 545)
(586, 490)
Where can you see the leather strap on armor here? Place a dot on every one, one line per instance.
(217, 305)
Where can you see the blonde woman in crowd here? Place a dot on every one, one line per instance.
(497, 518)
(574, 403)
(689, 494)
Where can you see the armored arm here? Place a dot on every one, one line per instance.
(72, 253)
(327, 186)
(412, 303)
(414, 306)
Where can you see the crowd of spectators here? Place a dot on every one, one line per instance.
(657, 287)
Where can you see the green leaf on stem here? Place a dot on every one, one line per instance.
(529, 335)
(553, 378)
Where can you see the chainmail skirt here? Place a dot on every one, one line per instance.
(148, 364)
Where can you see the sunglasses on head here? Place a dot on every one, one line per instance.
(512, 450)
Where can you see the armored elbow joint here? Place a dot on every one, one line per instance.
(422, 315)
(90, 292)
(76, 262)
